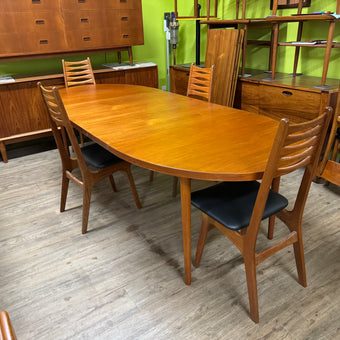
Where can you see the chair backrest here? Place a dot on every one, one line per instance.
(78, 72)
(62, 130)
(200, 82)
(295, 146)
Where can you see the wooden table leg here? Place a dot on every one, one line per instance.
(186, 226)
(3, 152)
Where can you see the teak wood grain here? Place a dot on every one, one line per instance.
(173, 134)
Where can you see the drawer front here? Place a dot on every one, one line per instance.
(47, 42)
(296, 105)
(28, 5)
(130, 21)
(87, 39)
(10, 44)
(89, 19)
(100, 4)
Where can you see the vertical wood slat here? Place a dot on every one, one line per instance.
(223, 51)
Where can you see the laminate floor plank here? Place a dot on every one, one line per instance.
(124, 278)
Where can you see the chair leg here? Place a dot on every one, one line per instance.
(64, 190)
(113, 184)
(151, 176)
(201, 239)
(81, 137)
(133, 187)
(271, 225)
(86, 207)
(300, 262)
(250, 268)
(174, 187)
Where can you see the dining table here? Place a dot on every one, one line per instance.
(175, 135)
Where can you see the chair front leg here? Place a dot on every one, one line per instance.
(113, 184)
(201, 239)
(87, 190)
(133, 187)
(64, 190)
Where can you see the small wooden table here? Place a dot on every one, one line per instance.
(175, 135)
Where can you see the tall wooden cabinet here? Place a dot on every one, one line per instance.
(44, 28)
(40, 27)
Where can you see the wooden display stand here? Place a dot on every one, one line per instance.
(22, 114)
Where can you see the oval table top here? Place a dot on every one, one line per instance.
(172, 134)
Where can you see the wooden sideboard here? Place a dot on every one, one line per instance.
(31, 28)
(22, 114)
(296, 98)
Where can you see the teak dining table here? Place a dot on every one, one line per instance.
(174, 135)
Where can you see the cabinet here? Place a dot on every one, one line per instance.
(295, 98)
(22, 114)
(43, 27)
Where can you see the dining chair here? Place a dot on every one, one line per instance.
(95, 162)
(237, 208)
(78, 73)
(329, 169)
(6, 329)
(200, 86)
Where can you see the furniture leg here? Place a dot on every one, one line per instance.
(3, 152)
(186, 226)
(151, 176)
(64, 190)
(271, 223)
(130, 55)
(250, 268)
(300, 261)
(133, 188)
(86, 207)
(201, 239)
(328, 52)
(113, 184)
(275, 47)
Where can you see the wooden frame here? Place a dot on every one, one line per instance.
(290, 3)
(214, 15)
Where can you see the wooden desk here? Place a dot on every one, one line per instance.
(175, 135)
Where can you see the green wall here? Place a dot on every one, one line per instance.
(154, 48)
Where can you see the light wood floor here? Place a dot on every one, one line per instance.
(124, 278)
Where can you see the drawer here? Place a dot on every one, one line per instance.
(88, 39)
(130, 38)
(47, 42)
(296, 105)
(130, 21)
(81, 4)
(125, 4)
(10, 44)
(90, 19)
(29, 5)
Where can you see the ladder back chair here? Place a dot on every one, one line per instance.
(78, 73)
(200, 86)
(95, 162)
(237, 208)
(200, 82)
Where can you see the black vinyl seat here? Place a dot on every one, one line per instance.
(232, 203)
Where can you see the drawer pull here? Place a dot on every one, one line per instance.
(40, 22)
(86, 20)
(287, 93)
(125, 36)
(124, 18)
(43, 42)
(122, 0)
(81, 1)
(35, 1)
(86, 38)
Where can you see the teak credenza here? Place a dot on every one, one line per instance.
(22, 114)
